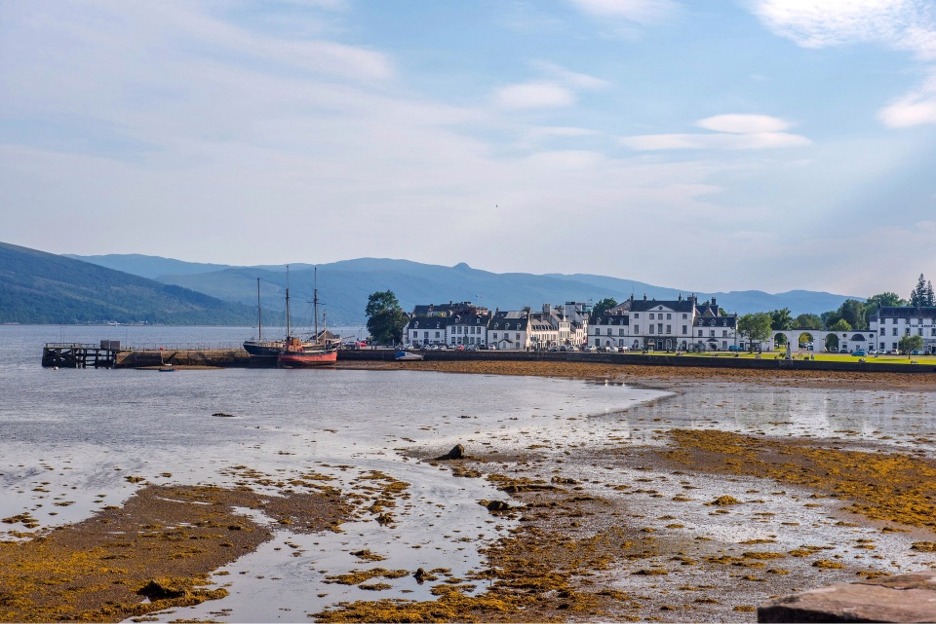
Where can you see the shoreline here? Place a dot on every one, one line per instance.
(611, 531)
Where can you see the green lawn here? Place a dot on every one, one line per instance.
(819, 356)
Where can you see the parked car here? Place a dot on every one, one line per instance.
(859, 353)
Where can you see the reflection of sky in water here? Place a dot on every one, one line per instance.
(891, 418)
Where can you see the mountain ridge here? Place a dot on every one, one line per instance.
(344, 286)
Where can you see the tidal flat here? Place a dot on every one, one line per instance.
(687, 496)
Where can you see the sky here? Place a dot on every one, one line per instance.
(708, 145)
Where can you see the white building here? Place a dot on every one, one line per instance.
(511, 329)
(892, 323)
(680, 325)
(448, 324)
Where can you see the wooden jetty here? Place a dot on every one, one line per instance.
(74, 355)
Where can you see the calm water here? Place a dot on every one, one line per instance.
(77, 434)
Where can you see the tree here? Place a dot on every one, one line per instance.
(853, 312)
(781, 319)
(755, 327)
(884, 300)
(807, 321)
(841, 325)
(603, 306)
(908, 344)
(385, 318)
(922, 295)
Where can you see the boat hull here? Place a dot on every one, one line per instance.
(307, 359)
(265, 348)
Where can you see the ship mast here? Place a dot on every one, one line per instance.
(315, 301)
(259, 314)
(288, 331)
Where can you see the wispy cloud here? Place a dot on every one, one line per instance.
(538, 94)
(906, 25)
(730, 132)
(640, 11)
(558, 89)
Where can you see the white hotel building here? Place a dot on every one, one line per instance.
(681, 325)
(892, 323)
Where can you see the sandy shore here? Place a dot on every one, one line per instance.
(620, 532)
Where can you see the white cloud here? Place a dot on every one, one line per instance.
(814, 24)
(743, 124)
(538, 94)
(906, 25)
(730, 132)
(640, 11)
(570, 78)
(913, 109)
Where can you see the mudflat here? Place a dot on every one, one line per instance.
(669, 519)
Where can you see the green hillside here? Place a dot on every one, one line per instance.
(38, 287)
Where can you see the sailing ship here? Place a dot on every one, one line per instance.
(321, 350)
(261, 348)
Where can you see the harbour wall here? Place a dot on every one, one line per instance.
(239, 358)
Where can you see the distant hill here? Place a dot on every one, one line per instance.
(148, 266)
(39, 287)
(344, 287)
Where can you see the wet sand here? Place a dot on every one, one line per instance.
(695, 525)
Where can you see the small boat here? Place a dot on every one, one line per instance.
(407, 356)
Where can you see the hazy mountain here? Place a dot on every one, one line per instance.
(344, 286)
(148, 266)
(39, 287)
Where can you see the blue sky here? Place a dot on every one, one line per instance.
(705, 145)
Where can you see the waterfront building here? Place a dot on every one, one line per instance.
(511, 329)
(683, 325)
(892, 323)
(448, 324)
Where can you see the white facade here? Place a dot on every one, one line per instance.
(664, 325)
(893, 323)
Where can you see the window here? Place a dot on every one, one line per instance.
(712, 333)
(669, 328)
(636, 315)
(895, 331)
(659, 328)
(685, 316)
(724, 333)
(700, 333)
(684, 327)
(651, 327)
(669, 316)
(651, 316)
(636, 329)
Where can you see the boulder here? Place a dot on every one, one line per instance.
(902, 598)
(457, 452)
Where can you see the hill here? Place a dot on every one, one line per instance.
(344, 287)
(39, 287)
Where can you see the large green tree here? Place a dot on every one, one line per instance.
(602, 306)
(385, 318)
(909, 344)
(853, 312)
(884, 300)
(807, 320)
(922, 295)
(755, 327)
(781, 319)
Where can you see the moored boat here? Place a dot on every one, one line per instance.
(319, 351)
(407, 356)
(263, 348)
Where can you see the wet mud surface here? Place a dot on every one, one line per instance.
(672, 516)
